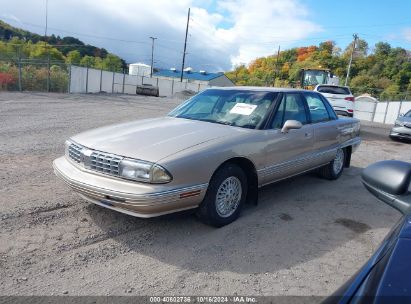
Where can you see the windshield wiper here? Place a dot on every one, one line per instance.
(228, 123)
(221, 122)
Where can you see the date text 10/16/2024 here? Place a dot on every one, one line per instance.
(203, 299)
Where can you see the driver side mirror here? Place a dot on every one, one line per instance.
(291, 124)
(389, 181)
(401, 115)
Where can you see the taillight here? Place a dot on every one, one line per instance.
(349, 98)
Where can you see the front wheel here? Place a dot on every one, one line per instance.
(335, 168)
(225, 196)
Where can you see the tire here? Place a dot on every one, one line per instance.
(227, 188)
(335, 168)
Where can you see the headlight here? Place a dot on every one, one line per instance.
(399, 123)
(144, 171)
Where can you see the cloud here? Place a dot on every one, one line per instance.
(222, 33)
(407, 34)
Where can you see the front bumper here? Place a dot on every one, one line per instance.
(133, 198)
(401, 132)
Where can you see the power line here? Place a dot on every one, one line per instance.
(340, 26)
(82, 34)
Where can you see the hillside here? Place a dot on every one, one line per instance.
(64, 44)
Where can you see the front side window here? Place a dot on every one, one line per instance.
(290, 108)
(317, 108)
(240, 108)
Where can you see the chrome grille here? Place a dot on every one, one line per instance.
(74, 152)
(105, 163)
(95, 160)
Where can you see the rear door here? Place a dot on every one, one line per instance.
(285, 153)
(325, 128)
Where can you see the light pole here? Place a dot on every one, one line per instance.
(152, 55)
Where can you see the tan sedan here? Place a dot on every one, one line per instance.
(212, 152)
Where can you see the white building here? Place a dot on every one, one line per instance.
(200, 77)
(139, 69)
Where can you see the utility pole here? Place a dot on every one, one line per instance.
(276, 64)
(152, 55)
(352, 54)
(19, 64)
(185, 46)
(47, 49)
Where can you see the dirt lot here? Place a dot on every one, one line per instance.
(306, 237)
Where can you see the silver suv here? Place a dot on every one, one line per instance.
(341, 98)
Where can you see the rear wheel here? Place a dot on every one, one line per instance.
(335, 168)
(225, 196)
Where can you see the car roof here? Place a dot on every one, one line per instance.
(259, 89)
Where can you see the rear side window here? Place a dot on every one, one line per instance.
(334, 90)
(317, 107)
(291, 108)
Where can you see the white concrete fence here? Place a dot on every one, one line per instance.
(385, 112)
(88, 80)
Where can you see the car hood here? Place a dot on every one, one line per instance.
(153, 139)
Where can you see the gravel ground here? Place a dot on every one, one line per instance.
(306, 236)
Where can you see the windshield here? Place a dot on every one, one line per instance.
(334, 90)
(241, 108)
(408, 114)
(313, 77)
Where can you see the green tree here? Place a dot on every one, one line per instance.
(41, 50)
(112, 63)
(73, 57)
(87, 61)
(392, 92)
(361, 49)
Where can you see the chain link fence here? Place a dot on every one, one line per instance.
(34, 75)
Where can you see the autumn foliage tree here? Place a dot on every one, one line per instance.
(384, 73)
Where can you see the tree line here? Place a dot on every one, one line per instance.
(384, 73)
(41, 66)
(65, 45)
(19, 49)
(30, 61)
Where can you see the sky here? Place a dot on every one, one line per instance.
(222, 34)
